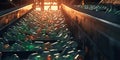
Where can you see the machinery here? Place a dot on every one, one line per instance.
(77, 30)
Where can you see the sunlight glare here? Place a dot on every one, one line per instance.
(38, 9)
(47, 5)
(52, 7)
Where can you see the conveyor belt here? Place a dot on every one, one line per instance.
(40, 35)
(63, 35)
(101, 31)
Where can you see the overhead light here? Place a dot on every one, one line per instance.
(10, 0)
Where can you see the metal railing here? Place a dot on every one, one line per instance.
(10, 15)
(103, 35)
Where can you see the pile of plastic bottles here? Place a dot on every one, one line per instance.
(103, 8)
(40, 26)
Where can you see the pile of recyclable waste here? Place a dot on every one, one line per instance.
(102, 8)
(34, 32)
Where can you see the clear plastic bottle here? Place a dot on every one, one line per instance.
(35, 56)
